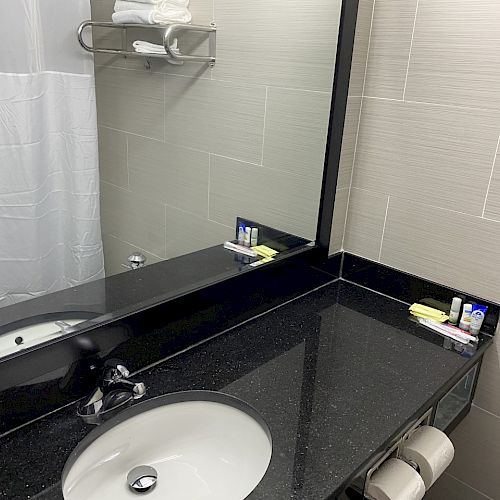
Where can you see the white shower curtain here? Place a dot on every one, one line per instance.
(50, 235)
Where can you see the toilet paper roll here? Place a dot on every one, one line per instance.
(431, 450)
(395, 480)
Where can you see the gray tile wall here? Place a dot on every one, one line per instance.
(186, 149)
(425, 188)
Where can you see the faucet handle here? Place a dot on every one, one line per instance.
(114, 370)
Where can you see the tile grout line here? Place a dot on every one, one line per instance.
(111, 235)
(411, 48)
(469, 486)
(237, 83)
(426, 103)
(383, 228)
(209, 177)
(264, 128)
(190, 148)
(165, 219)
(491, 176)
(128, 169)
(485, 411)
(359, 125)
(220, 224)
(428, 204)
(121, 188)
(133, 133)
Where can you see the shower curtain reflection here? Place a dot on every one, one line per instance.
(50, 236)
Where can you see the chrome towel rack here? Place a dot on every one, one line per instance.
(170, 32)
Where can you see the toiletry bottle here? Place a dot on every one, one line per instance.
(466, 317)
(248, 231)
(241, 234)
(477, 318)
(456, 304)
(254, 237)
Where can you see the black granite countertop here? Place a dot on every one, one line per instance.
(336, 374)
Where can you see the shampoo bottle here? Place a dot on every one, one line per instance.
(466, 317)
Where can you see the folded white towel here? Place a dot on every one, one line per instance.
(148, 2)
(169, 15)
(153, 16)
(163, 6)
(123, 5)
(153, 48)
(177, 3)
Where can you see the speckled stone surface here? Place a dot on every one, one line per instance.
(335, 374)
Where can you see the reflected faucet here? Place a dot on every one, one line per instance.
(135, 261)
(113, 393)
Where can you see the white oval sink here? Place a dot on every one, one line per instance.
(203, 446)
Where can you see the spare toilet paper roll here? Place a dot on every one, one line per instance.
(395, 480)
(431, 450)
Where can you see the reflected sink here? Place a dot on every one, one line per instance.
(25, 337)
(198, 445)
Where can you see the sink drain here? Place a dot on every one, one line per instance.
(142, 479)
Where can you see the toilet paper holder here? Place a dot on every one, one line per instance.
(395, 450)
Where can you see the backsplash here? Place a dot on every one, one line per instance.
(245, 138)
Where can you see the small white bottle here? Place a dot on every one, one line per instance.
(248, 232)
(456, 304)
(241, 234)
(254, 237)
(466, 317)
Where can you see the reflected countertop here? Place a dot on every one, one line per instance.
(336, 374)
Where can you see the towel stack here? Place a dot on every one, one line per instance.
(151, 12)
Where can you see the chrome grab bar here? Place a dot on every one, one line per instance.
(170, 31)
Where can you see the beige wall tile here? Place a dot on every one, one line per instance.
(487, 393)
(169, 174)
(220, 117)
(349, 140)
(188, 233)
(339, 216)
(279, 199)
(449, 488)
(360, 51)
(365, 223)
(492, 207)
(389, 48)
(443, 246)
(455, 57)
(133, 219)
(433, 154)
(131, 101)
(286, 44)
(477, 448)
(295, 131)
(113, 157)
(116, 253)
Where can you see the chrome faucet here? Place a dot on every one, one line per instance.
(113, 393)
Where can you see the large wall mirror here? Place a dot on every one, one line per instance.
(106, 157)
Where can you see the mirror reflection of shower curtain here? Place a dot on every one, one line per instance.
(50, 235)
